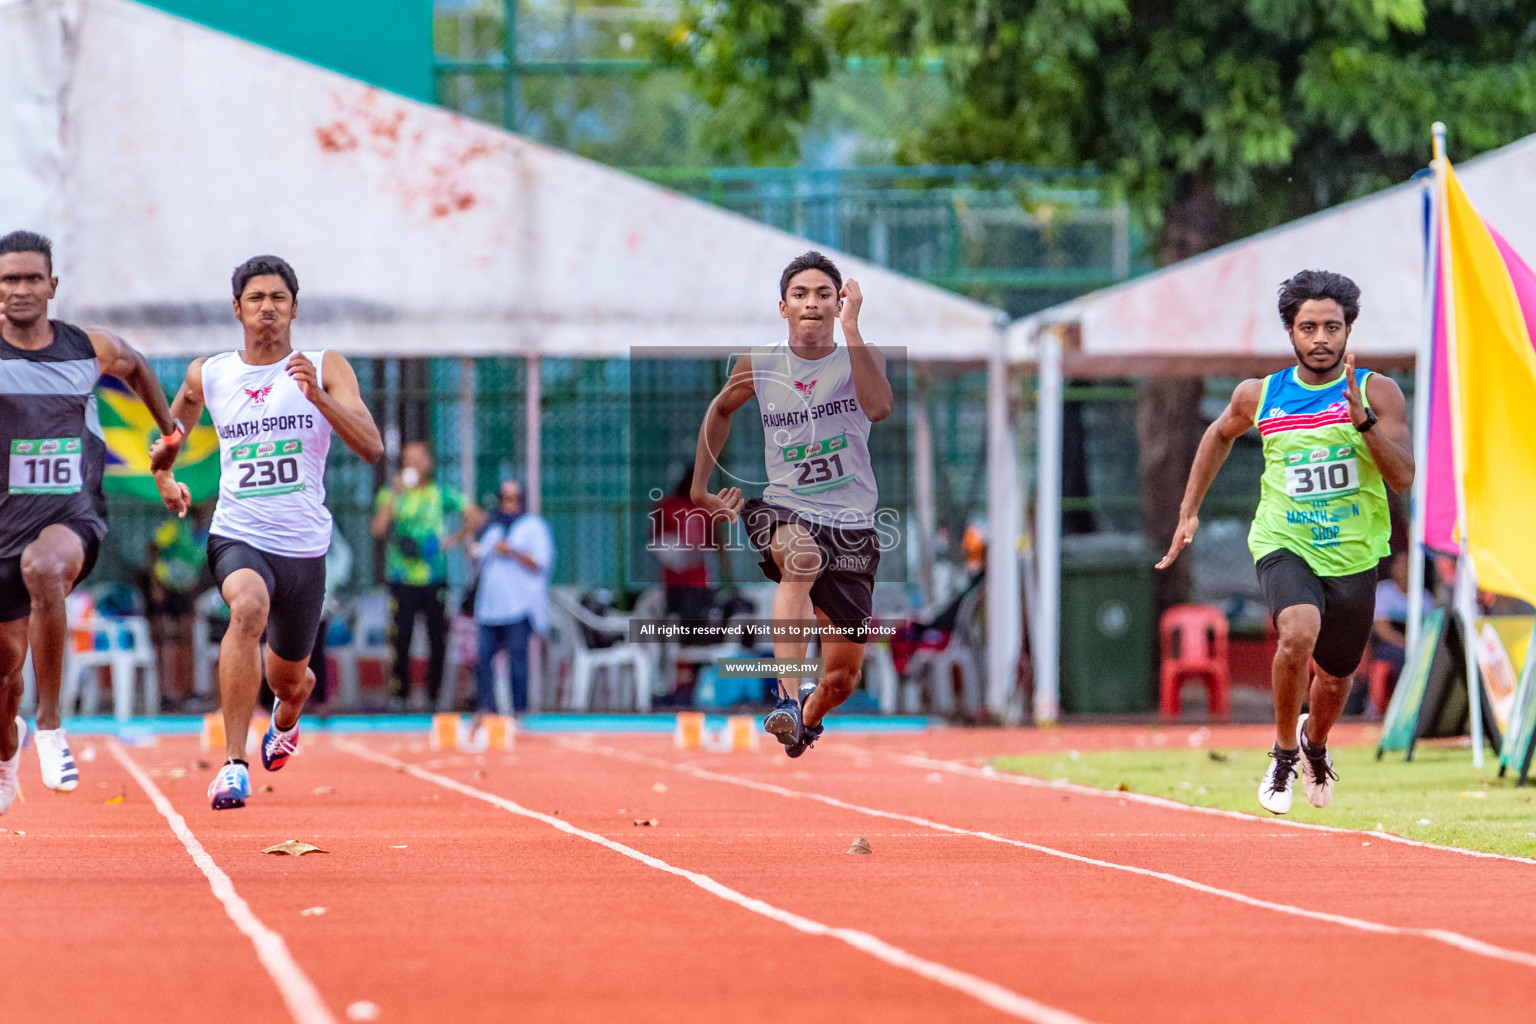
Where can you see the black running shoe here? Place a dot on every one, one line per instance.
(809, 734)
(784, 722)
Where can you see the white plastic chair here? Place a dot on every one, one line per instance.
(122, 646)
(584, 662)
(205, 653)
(934, 670)
(368, 617)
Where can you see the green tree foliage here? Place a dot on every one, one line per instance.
(1217, 117)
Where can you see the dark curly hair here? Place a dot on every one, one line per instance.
(1318, 284)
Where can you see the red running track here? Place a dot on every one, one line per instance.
(516, 886)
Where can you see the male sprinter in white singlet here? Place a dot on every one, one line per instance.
(815, 523)
(275, 410)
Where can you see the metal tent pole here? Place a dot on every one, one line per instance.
(1046, 639)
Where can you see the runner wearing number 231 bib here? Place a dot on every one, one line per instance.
(1334, 440)
(814, 524)
(274, 410)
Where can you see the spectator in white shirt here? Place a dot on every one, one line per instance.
(514, 554)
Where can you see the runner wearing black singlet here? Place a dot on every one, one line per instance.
(53, 513)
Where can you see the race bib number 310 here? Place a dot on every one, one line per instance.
(267, 468)
(45, 466)
(1322, 474)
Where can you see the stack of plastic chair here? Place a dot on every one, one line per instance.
(1195, 646)
(584, 661)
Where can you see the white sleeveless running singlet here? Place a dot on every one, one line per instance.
(272, 448)
(815, 436)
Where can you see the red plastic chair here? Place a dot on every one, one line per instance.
(1195, 644)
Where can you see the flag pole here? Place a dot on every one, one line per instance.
(1423, 388)
(1466, 572)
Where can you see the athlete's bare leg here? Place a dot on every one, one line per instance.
(49, 567)
(292, 682)
(1292, 670)
(1325, 702)
(240, 655)
(799, 561)
(842, 658)
(13, 654)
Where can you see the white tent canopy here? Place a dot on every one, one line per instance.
(1221, 305)
(1216, 314)
(159, 154)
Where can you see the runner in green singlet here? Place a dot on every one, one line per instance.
(1334, 439)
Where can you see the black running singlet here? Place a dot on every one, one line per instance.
(51, 449)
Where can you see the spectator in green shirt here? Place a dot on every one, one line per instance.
(412, 516)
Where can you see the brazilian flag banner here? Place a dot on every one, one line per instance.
(129, 428)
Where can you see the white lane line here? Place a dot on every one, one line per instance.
(983, 991)
(303, 998)
(1455, 939)
(1030, 782)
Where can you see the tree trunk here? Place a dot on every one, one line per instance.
(1168, 424)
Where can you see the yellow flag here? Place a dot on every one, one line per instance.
(1489, 295)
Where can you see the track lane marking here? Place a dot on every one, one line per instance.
(1456, 940)
(989, 993)
(299, 993)
(1032, 782)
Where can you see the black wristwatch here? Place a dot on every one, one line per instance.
(1370, 421)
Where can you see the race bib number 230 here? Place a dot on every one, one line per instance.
(266, 468)
(48, 465)
(1322, 474)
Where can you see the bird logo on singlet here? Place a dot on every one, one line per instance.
(258, 395)
(805, 387)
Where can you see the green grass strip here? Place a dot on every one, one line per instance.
(1436, 798)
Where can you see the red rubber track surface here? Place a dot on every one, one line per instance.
(443, 907)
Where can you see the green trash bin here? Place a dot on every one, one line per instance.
(1107, 630)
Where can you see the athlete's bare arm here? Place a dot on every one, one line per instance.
(188, 408)
(738, 391)
(119, 359)
(339, 401)
(869, 380)
(1390, 442)
(1215, 446)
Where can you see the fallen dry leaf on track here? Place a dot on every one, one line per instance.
(269, 788)
(860, 845)
(647, 821)
(293, 848)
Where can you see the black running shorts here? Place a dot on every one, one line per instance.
(845, 590)
(15, 601)
(1347, 604)
(295, 588)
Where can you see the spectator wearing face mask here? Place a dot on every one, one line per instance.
(514, 555)
(412, 517)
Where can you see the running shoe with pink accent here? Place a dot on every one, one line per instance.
(278, 744)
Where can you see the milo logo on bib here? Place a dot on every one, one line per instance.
(1322, 474)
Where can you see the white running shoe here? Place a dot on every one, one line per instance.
(1275, 791)
(54, 758)
(10, 771)
(1317, 774)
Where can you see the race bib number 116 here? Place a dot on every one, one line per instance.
(1322, 474)
(48, 465)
